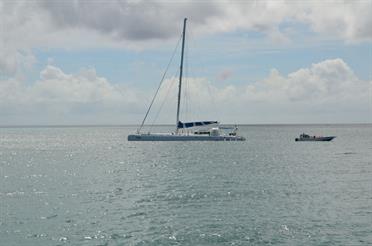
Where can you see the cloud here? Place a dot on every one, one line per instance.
(321, 82)
(58, 97)
(325, 89)
(328, 91)
(348, 20)
(130, 20)
(143, 20)
(26, 25)
(73, 24)
(84, 87)
(326, 80)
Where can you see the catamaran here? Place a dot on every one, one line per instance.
(188, 131)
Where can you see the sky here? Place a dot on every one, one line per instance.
(246, 62)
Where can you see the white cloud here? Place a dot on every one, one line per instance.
(327, 80)
(84, 87)
(326, 88)
(327, 91)
(65, 98)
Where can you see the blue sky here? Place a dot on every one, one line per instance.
(246, 62)
(75, 62)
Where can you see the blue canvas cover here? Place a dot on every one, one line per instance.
(196, 123)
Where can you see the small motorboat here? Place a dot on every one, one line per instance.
(305, 137)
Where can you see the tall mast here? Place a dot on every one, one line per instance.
(180, 80)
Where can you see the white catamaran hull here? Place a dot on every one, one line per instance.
(170, 137)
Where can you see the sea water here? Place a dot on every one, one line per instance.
(90, 186)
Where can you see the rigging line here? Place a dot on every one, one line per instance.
(194, 102)
(212, 102)
(171, 86)
(161, 82)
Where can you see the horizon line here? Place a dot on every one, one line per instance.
(136, 125)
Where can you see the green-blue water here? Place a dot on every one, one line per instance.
(89, 186)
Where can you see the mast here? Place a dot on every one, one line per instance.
(180, 80)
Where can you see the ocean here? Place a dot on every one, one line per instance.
(90, 186)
